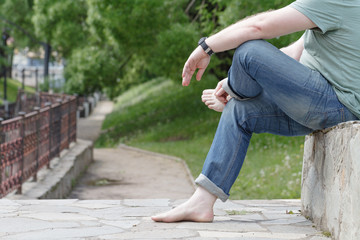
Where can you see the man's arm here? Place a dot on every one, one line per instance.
(295, 49)
(262, 26)
(265, 25)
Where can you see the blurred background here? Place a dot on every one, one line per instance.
(132, 51)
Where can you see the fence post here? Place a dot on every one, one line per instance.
(22, 133)
(69, 120)
(48, 104)
(1, 156)
(37, 109)
(23, 78)
(60, 101)
(36, 80)
(37, 88)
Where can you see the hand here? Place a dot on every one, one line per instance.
(220, 93)
(197, 60)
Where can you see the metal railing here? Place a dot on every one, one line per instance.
(29, 141)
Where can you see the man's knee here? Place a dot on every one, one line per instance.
(249, 51)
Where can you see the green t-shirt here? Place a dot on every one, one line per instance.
(333, 48)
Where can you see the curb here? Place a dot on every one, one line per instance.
(58, 181)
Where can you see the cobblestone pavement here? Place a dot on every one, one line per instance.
(130, 219)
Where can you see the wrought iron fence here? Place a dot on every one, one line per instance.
(29, 141)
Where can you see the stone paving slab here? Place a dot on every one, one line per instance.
(130, 219)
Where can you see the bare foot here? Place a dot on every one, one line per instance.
(210, 100)
(199, 208)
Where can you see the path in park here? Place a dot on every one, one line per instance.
(72, 219)
(126, 172)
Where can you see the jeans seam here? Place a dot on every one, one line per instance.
(233, 158)
(257, 116)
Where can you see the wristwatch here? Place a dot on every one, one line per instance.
(204, 46)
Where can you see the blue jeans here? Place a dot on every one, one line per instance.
(271, 93)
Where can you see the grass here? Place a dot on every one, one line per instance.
(12, 89)
(164, 117)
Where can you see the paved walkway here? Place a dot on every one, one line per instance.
(127, 172)
(130, 219)
(89, 128)
(132, 173)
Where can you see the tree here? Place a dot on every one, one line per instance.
(61, 23)
(110, 45)
(17, 22)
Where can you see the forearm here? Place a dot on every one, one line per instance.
(236, 34)
(266, 25)
(263, 26)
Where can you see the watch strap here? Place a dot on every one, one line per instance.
(204, 46)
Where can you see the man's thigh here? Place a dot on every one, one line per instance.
(262, 115)
(301, 93)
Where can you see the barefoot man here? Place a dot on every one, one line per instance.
(312, 84)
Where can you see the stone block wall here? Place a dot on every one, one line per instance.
(330, 193)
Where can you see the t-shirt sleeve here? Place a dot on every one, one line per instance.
(324, 13)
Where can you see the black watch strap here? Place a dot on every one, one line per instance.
(204, 46)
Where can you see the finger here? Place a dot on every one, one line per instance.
(220, 92)
(207, 99)
(207, 95)
(218, 86)
(199, 74)
(186, 75)
(208, 91)
(186, 79)
(209, 103)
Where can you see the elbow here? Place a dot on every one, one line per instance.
(257, 31)
(262, 28)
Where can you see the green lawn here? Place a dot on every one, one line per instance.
(12, 89)
(164, 117)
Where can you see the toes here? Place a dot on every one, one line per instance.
(156, 218)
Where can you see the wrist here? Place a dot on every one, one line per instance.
(202, 43)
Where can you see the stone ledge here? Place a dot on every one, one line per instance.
(57, 182)
(331, 178)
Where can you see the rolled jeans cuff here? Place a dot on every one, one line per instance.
(229, 91)
(206, 183)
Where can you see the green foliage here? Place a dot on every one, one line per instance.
(131, 24)
(172, 48)
(16, 20)
(90, 69)
(157, 103)
(61, 23)
(110, 45)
